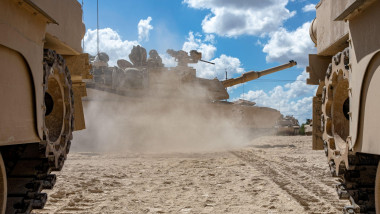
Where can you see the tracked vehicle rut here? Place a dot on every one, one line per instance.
(312, 196)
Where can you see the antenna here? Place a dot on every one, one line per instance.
(243, 91)
(97, 24)
(82, 21)
(226, 73)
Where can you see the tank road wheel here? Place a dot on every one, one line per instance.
(356, 172)
(59, 109)
(3, 186)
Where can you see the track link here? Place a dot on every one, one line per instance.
(28, 173)
(357, 184)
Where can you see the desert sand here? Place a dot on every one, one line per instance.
(273, 174)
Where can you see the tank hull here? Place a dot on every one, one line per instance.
(38, 46)
(253, 118)
(133, 122)
(345, 108)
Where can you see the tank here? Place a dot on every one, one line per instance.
(147, 77)
(346, 104)
(309, 128)
(287, 125)
(42, 67)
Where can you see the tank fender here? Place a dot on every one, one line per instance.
(317, 68)
(27, 40)
(365, 105)
(32, 54)
(17, 109)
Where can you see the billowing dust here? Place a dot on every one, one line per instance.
(155, 124)
(174, 154)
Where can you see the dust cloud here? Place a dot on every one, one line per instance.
(180, 122)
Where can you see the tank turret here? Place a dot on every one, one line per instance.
(216, 88)
(152, 76)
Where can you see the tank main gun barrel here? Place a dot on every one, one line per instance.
(252, 75)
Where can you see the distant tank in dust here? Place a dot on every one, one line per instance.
(309, 128)
(42, 67)
(287, 125)
(148, 77)
(346, 106)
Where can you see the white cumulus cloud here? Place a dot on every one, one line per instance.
(116, 48)
(308, 8)
(110, 42)
(210, 38)
(144, 28)
(294, 45)
(242, 17)
(291, 99)
(222, 64)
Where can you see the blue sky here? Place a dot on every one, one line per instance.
(239, 35)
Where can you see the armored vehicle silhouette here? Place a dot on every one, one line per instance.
(147, 77)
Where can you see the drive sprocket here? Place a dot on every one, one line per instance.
(59, 109)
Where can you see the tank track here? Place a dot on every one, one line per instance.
(357, 183)
(28, 173)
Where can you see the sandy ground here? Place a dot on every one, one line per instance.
(271, 175)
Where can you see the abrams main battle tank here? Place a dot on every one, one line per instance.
(147, 77)
(309, 128)
(42, 67)
(287, 125)
(346, 106)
